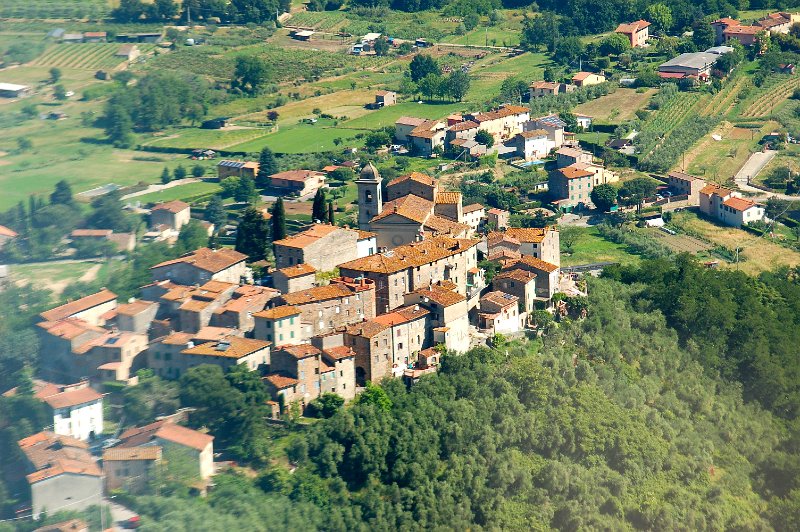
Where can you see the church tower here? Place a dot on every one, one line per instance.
(370, 202)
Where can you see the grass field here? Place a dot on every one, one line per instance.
(591, 247)
(718, 161)
(388, 115)
(758, 254)
(303, 138)
(84, 56)
(54, 9)
(619, 106)
(182, 192)
(214, 139)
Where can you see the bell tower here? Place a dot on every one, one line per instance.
(370, 202)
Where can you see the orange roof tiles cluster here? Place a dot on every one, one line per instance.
(79, 305)
(7, 232)
(165, 430)
(549, 85)
(409, 206)
(528, 234)
(309, 236)
(501, 299)
(54, 454)
(401, 315)
(632, 27)
(440, 295)
(538, 264)
(318, 293)
(134, 307)
(413, 176)
(573, 172)
(233, 347)
(129, 454)
(174, 206)
(739, 204)
(300, 351)
(210, 260)
(410, 255)
(473, 207)
(339, 352)
(298, 270)
(463, 126)
(708, 190)
(281, 381)
(532, 134)
(448, 197)
(277, 313)
(69, 328)
(297, 175)
(517, 274)
(68, 398)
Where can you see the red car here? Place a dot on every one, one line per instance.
(133, 522)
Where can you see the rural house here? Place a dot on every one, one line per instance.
(499, 313)
(129, 52)
(299, 182)
(324, 247)
(131, 469)
(237, 169)
(537, 89)
(448, 318)
(637, 32)
(586, 79)
(6, 235)
(683, 184)
(174, 214)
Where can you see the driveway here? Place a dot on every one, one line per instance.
(159, 188)
(757, 162)
(119, 513)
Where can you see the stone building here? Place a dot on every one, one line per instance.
(136, 316)
(173, 214)
(294, 278)
(173, 438)
(449, 314)
(279, 325)
(91, 309)
(499, 313)
(238, 311)
(203, 265)
(418, 265)
(520, 283)
(323, 246)
(542, 243)
(131, 468)
(324, 309)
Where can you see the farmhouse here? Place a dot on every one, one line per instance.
(533, 145)
(94, 36)
(746, 35)
(130, 468)
(720, 25)
(778, 22)
(502, 123)
(12, 90)
(427, 137)
(571, 187)
(6, 235)
(301, 35)
(385, 98)
(637, 32)
(727, 207)
(499, 313)
(537, 89)
(174, 214)
(683, 184)
(89, 309)
(300, 182)
(62, 472)
(237, 169)
(403, 127)
(585, 79)
(689, 65)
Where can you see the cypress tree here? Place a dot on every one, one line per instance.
(278, 221)
(318, 210)
(330, 213)
(267, 165)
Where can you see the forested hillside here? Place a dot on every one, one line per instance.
(609, 424)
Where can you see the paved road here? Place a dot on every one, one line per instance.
(119, 513)
(757, 162)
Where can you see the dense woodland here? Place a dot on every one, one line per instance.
(673, 405)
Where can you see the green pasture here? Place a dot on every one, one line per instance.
(304, 138)
(181, 192)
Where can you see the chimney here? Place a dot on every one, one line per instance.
(189, 344)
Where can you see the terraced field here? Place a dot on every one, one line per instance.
(88, 56)
(766, 103)
(54, 9)
(723, 102)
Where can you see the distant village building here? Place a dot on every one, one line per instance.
(131, 469)
(586, 79)
(497, 218)
(300, 182)
(129, 52)
(385, 98)
(537, 89)
(729, 207)
(474, 214)
(12, 90)
(294, 278)
(499, 313)
(174, 214)
(683, 184)
(324, 247)
(237, 169)
(203, 265)
(637, 32)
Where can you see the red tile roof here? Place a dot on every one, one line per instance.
(174, 207)
(211, 260)
(68, 398)
(538, 264)
(411, 255)
(739, 204)
(633, 27)
(5, 231)
(281, 381)
(277, 313)
(232, 347)
(300, 351)
(79, 305)
(339, 352)
(413, 176)
(297, 175)
(298, 270)
(165, 430)
(127, 454)
(401, 315)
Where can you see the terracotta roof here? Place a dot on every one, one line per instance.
(309, 236)
(366, 329)
(232, 347)
(214, 334)
(211, 260)
(570, 172)
(134, 307)
(409, 206)
(281, 381)
(339, 353)
(571, 152)
(127, 454)
(739, 204)
(528, 234)
(742, 30)
(177, 338)
(318, 293)
(300, 351)
(632, 27)
(496, 211)
(533, 134)
(284, 311)
(463, 126)
(503, 254)
(86, 233)
(523, 276)
(472, 207)
(445, 226)
(683, 176)
(538, 264)
(401, 315)
(726, 22)
(174, 206)
(363, 235)
(426, 130)
(5, 231)
(297, 175)
(448, 197)
(409, 121)
(715, 189)
(514, 109)
(501, 299)
(298, 270)
(54, 454)
(69, 398)
(413, 176)
(549, 85)
(68, 328)
(410, 255)
(79, 305)
(580, 76)
(441, 296)
(165, 430)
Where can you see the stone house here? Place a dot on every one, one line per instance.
(427, 137)
(520, 283)
(322, 246)
(497, 218)
(112, 357)
(90, 309)
(547, 274)
(385, 98)
(499, 313)
(503, 123)
(62, 473)
(173, 214)
(171, 437)
(197, 306)
(385, 345)
(237, 169)
(224, 353)
(533, 145)
(403, 127)
(571, 187)
(746, 35)
(136, 316)
(538, 89)
(711, 198)
(59, 339)
(245, 302)
(465, 130)
(279, 325)
(728, 207)
(294, 278)
(542, 243)
(417, 265)
(324, 309)
(683, 184)
(299, 182)
(203, 265)
(474, 215)
(448, 316)
(415, 183)
(567, 156)
(586, 79)
(410, 218)
(637, 32)
(6, 235)
(130, 468)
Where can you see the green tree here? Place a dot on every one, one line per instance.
(62, 194)
(704, 35)
(431, 85)
(604, 196)
(118, 124)
(635, 191)
(375, 395)
(198, 170)
(615, 44)
(108, 213)
(318, 209)
(331, 219)
(249, 74)
(568, 50)
(381, 46)
(192, 236)
(423, 65)
(24, 144)
(325, 406)
(377, 140)
(246, 190)
(252, 234)
(267, 165)
(55, 75)
(568, 237)
(660, 16)
(278, 220)
(166, 176)
(485, 138)
(179, 172)
(457, 85)
(215, 212)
